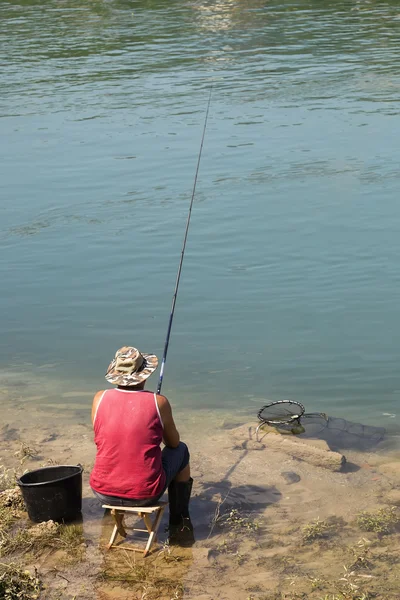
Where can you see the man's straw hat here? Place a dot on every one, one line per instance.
(131, 367)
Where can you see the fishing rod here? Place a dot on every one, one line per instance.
(171, 317)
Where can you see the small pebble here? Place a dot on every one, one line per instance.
(290, 477)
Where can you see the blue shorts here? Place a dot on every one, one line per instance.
(174, 460)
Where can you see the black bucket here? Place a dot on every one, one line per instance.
(53, 493)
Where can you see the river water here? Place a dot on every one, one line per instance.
(290, 286)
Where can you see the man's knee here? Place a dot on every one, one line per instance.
(185, 455)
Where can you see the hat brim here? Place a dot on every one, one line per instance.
(125, 379)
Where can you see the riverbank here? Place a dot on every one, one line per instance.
(267, 526)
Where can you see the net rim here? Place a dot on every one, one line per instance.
(277, 403)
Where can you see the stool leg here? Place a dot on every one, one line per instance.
(147, 521)
(153, 530)
(119, 520)
(118, 527)
(112, 538)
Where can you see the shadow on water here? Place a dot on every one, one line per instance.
(91, 509)
(219, 497)
(214, 498)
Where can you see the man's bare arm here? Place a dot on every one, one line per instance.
(171, 434)
(95, 404)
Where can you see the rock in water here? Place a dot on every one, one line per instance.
(303, 451)
(393, 497)
(290, 477)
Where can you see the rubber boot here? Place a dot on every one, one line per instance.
(180, 525)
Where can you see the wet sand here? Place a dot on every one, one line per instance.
(249, 509)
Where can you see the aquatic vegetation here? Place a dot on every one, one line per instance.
(233, 518)
(24, 540)
(168, 554)
(11, 506)
(18, 584)
(7, 518)
(12, 499)
(70, 535)
(41, 536)
(25, 451)
(382, 521)
(231, 547)
(359, 578)
(217, 514)
(349, 587)
(237, 520)
(30, 229)
(316, 530)
(129, 570)
(7, 478)
(317, 583)
(50, 462)
(142, 575)
(361, 555)
(346, 597)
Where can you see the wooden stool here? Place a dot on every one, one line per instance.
(144, 512)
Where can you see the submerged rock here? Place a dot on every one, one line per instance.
(311, 454)
(393, 497)
(290, 477)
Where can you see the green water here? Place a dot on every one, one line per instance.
(290, 286)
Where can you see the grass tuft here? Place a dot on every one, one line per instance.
(11, 505)
(42, 536)
(7, 478)
(235, 519)
(146, 578)
(382, 521)
(25, 451)
(12, 499)
(316, 530)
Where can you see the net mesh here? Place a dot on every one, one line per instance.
(284, 411)
(341, 434)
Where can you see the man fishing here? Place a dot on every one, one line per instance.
(129, 424)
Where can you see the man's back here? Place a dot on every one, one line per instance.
(128, 433)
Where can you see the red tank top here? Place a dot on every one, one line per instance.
(128, 432)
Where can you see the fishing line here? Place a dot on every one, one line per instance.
(171, 317)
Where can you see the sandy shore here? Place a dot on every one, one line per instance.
(250, 505)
